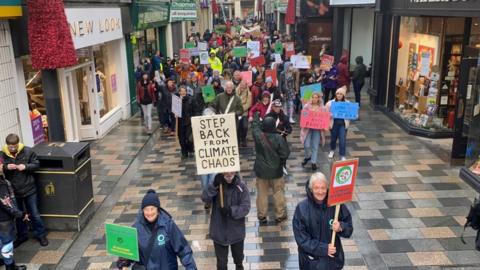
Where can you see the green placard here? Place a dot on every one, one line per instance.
(190, 45)
(240, 52)
(279, 47)
(122, 241)
(208, 93)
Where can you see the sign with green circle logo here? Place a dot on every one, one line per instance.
(343, 175)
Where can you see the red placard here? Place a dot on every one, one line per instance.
(289, 49)
(342, 181)
(326, 62)
(315, 119)
(272, 73)
(184, 56)
(257, 61)
(247, 77)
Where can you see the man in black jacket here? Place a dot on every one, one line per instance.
(281, 120)
(19, 164)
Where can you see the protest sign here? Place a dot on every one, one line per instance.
(203, 58)
(278, 58)
(344, 110)
(289, 49)
(300, 61)
(326, 62)
(177, 106)
(208, 93)
(190, 45)
(37, 130)
(306, 91)
(202, 46)
(194, 51)
(122, 241)
(315, 119)
(271, 73)
(184, 56)
(253, 48)
(247, 77)
(342, 181)
(279, 48)
(257, 61)
(216, 146)
(240, 51)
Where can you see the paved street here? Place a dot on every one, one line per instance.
(408, 211)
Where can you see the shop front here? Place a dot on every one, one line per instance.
(430, 61)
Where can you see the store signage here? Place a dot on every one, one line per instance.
(183, 10)
(435, 1)
(91, 26)
(150, 15)
(10, 8)
(351, 2)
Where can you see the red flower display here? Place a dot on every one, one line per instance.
(50, 41)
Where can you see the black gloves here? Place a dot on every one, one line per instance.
(218, 180)
(225, 211)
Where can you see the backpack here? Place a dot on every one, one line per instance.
(473, 220)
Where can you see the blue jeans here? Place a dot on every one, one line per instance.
(7, 252)
(207, 179)
(339, 132)
(312, 141)
(357, 88)
(30, 202)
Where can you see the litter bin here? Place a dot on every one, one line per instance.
(64, 184)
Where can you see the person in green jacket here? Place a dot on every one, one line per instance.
(228, 102)
(271, 153)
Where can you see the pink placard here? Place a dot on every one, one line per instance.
(315, 119)
(247, 76)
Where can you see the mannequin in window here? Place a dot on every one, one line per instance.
(100, 83)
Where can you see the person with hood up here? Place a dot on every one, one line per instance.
(358, 78)
(215, 62)
(244, 93)
(227, 222)
(147, 97)
(313, 226)
(167, 91)
(272, 151)
(338, 127)
(287, 87)
(256, 89)
(343, 78)
(160, 241)
(19, 164)
(262, 106)
(228, 102)
(184, 131)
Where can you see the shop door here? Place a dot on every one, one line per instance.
(464, 110)
(83, 101)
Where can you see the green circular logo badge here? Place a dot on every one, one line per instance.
(343, 175)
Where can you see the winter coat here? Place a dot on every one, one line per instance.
(287, 85)
(275, 91)
(328, 82)
(168, 244)
(220, 103)
(166, 101)
(343, 72)
(23, 182)
(151, 91)
(328, 105)
(246, 98)
(256, 91)
(194, 88)
(228, 230)
(216, 64)
(8, 211)
(187, 112)
(283, 123)
(271, 152)
(259, 107)
(313, 233)
(360, 71)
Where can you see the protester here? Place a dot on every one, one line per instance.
(228, 217)
(272, 152)
(262, 106)
(343, 78)
(160, 241)
(272, 89)
(311, 137)
(215, 62)
(257, 89)
(166, 105)
(19, 166)
(184, 131)
(313, 224)
(338, 127)
(330, 83)
(358, 77)
(244, 93)
(282, 124)
(287, 87)
(228, 102)
(237, 78)
(146, 96)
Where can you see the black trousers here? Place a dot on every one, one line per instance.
(183, 133)
(221, 252)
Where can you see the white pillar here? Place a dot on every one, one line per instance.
(287, 30)
(255, 11)
(238, 9)
(278, 20)
(168, 40)
(230, 11)
(210, 19)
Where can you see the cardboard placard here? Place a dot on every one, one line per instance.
(190, 45)
(278, 47)
(344, 110)
(342, 181)
(208, 93)
(202, 46)
(257, 61)
(247, 77)
(289, 49)
(326, 62)
(177, 106)
(278, 58)
(306, 91)
(272, 73)
(122, 241)
(216, 146)
(240, 51)
(300, 61)
(184, 56)
(315, 119)
(253, 48)
(37, 130)
(203, 58)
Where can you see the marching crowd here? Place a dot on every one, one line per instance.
(269, 107)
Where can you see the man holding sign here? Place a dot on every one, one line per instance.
(314, 224)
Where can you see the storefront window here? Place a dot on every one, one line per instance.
(428, 63)
(105, 78)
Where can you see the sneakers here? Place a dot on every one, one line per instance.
(305, 161)
(343, 158)
(292, 121)
(331, 154)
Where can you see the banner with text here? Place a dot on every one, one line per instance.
(344, 110)
(315, 119)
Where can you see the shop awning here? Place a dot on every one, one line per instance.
(149, 14)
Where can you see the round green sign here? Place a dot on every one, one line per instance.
(343, 175)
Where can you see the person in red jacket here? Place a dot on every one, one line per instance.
(146, 98)
(343, 78)
(256, 89)
(262, 106)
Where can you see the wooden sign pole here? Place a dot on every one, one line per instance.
(176, 130)
(334, 233)
(221, 195)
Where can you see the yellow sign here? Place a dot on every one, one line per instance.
(10, 8)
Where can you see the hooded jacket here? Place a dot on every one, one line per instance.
(168, 244)
(8, 211)
(220, 104)
(228, 230)
(313, 233)
(343, 72)
(360, 71)
(271, 151)
(23, 182)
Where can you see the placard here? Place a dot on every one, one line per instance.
(240, 51)
(257, 61)
(271, 73)
(177, 106)
(247, 77)
(300, 61)
(202, 46)
(216, 146)
(184, 56)
(37, 130)
(306, 91)
(326, 62)
(278, 58)
(344, 110)
(315, 119)
(289, 49)
(253, 48)
(278, 48)
(208, 93)
(203, 58)
(342, 181)
(190, 45)
(122, 241)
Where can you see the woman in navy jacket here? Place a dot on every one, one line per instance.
(313, 226)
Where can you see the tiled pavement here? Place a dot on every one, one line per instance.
(408, 211)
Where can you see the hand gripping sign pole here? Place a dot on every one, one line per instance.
(342, 183)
